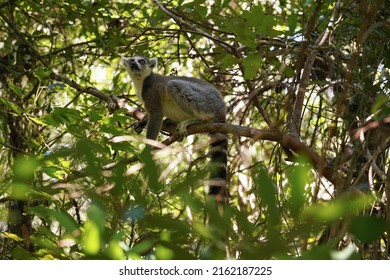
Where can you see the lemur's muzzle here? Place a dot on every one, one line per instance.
(134, 66)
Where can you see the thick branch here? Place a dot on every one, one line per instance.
(273, 135)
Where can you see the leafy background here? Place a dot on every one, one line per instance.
(306, 85)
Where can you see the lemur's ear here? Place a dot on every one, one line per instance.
(124, 59)
(153, 62)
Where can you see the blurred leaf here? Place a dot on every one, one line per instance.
(97, 214)
(20, 253)
(379, 107)
(19, 191)
(12, 236)
(340, 207)
(292, 23)
(380, 101)
(201, 10)
(167, 222)
(42, 74)
(169, 250)
(114, 251)
(298, 178)
(24, 168)
(65, 220)
(267, 193)
(367, 228)
(91, 238)
(63, 217)
(203, 230)
(151, 171)
(141, 248)
(93, 229)
(164, 253)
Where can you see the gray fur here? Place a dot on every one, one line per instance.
(181, 99)
(184, 100)
(201, 101)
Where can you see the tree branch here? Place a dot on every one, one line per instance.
(272, 134)
(182, 22)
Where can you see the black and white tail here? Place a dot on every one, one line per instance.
(218, 175)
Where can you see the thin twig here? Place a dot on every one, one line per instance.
(182, 22)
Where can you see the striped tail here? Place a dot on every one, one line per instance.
(218, 162)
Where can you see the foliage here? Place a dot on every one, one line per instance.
(76, 182)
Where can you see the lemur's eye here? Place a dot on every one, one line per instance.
(142, 61)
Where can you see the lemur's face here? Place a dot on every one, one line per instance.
(139, 66)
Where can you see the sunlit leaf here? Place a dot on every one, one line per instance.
(115, 251)
(90, 238)
(164, 253)
(336, 209)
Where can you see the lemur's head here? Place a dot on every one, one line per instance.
(139, 67)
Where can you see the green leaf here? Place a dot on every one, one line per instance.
(91, 238)
(164, 253)
(54, 172)
(42, 74)
(380, 107)
(252, 63)
(20, 253)
(24, 168)
(201, 10)
(167, 222)
(151, 171)
(16, 89)
(63, 116)
(267, 192)
(336, 209)
(19, 191)
(12, 106)
(225, 3)
(93, 229)
(11, 236)
(115, 251)
(368, 228)
(64, 218)
(298, 178)
(228, 61)
(292, 23)
(97, 214)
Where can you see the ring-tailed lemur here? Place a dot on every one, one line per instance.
(186, 101)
